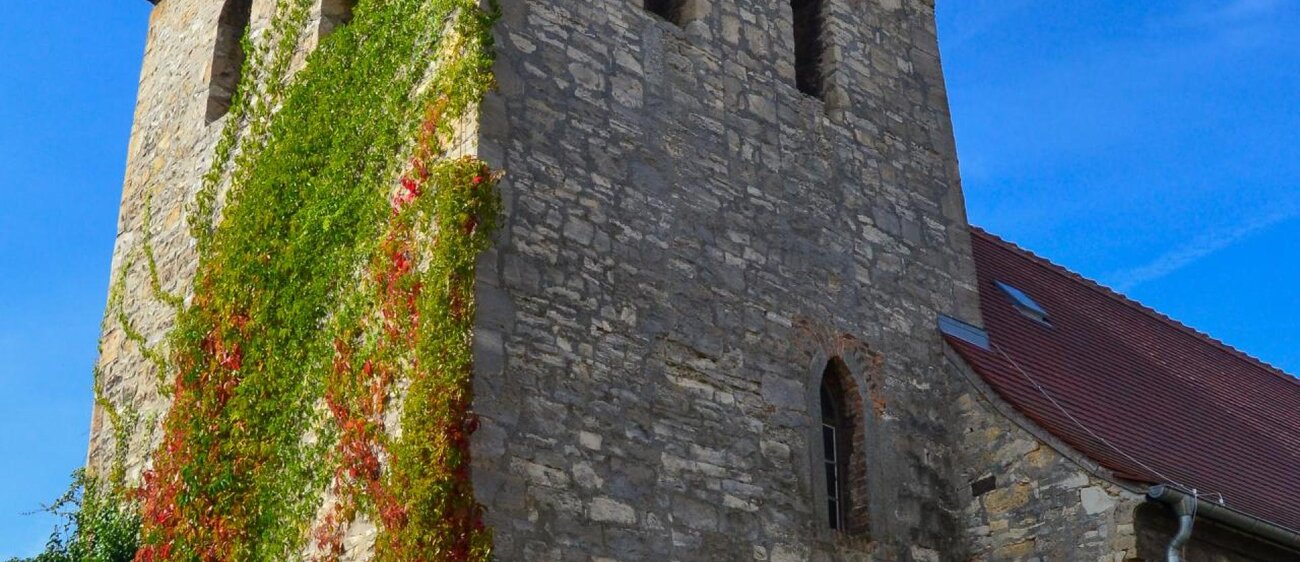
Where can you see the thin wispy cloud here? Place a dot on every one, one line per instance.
(1199, 248)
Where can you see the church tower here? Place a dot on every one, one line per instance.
(713, 207)
(706, 326)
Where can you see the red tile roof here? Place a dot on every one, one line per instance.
(1145, 396)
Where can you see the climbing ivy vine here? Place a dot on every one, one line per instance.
(332, 302)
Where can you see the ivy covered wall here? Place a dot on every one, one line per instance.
(295, 323)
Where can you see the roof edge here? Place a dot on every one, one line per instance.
(1009, 412)
(1129, 302)
(1282, 536)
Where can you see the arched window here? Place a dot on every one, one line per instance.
(809, 46)
(835, 449)
(843, 460)
(335, 13)
(228, 56)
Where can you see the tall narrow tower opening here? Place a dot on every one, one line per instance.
(671, 10)
(228, 56)
(809, 46)
(334, 14)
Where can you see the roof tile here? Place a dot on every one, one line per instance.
(1143, 395)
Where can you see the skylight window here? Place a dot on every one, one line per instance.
(1025, 304)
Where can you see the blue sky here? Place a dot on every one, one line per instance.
(1149, 145)
(66, 100)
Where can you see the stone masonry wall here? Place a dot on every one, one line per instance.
(170, 150)
(687, 240)
(1027, 501)
(171, 146)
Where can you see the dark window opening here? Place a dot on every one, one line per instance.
(809, 46)
(335, 14)
(836, 432)
(228, 56)
(843, 504)
(1025, 304)
(671, 10)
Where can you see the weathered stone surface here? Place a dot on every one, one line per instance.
(171, 148)
(1046, 506)
(686, 234)
(1096, 500)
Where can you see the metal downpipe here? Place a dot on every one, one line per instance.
(1186, 510)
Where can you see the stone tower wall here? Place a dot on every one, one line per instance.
(687, 239)
(171, 148)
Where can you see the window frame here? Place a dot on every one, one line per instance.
(834, 459)
(680, 13)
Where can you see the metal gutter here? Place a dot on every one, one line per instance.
(1186, 510)
(1183, 502)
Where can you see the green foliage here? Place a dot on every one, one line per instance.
(337, 244)
(99, 524)
(306, 256)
